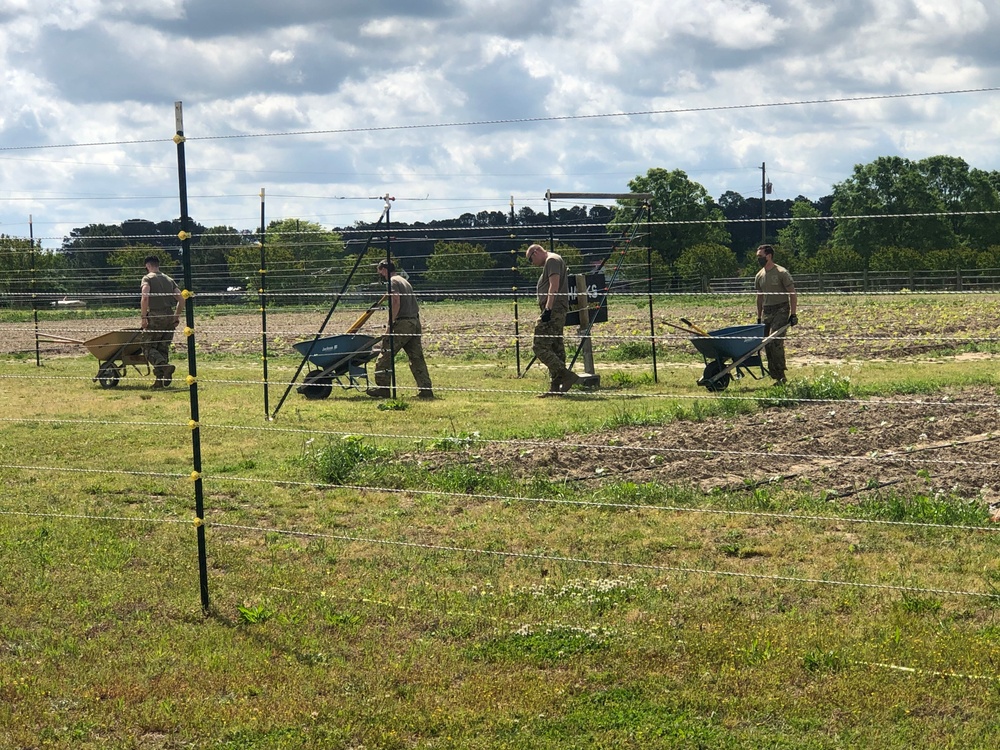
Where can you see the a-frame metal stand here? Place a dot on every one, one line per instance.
(589, 378)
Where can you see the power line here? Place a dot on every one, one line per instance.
(520, 120)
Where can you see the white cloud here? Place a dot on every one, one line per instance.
(92, 71)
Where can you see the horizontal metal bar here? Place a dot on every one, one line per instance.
(617, 196)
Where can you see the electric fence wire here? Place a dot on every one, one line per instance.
(521, 120)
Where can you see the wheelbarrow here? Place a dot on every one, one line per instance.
(115, 352)
(341, 359)
(730, 353)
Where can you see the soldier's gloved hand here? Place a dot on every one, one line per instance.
(546, 315)
(793, 319)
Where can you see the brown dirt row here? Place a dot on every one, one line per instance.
(946, 444)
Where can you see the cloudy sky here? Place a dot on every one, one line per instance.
(454, 106)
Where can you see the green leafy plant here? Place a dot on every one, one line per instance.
(256, 614)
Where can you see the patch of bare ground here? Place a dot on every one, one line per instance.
(946, 443)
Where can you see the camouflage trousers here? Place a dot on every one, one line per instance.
(548, 346)
(773, 319)
(405, 338)
(157, 338)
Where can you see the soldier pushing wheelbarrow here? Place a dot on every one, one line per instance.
(161, 308)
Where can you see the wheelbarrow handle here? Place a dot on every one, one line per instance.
(58, 339)
(366, 314)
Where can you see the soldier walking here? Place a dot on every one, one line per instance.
(776, 305)
(161, 307)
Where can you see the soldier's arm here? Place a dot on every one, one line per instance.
(144, 305)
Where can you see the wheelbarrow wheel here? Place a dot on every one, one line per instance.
(712, 369)
(317, 385)
(109, 375)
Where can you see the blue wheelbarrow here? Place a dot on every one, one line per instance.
(731, 352)
(341, 359)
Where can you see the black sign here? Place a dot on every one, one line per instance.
(597, 291)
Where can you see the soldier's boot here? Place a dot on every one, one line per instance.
(163, 374)
(425, 393)
(167, 374)
(552, 391)
(379, 392)
(567, 379)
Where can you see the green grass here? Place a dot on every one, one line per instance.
(463, 606)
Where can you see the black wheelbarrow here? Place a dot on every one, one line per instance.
(731, 352)
(341, 359)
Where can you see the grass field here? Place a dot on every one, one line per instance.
(648, 565)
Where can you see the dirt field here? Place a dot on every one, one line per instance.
(945, 444)
(940, 444)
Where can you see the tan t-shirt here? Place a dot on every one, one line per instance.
(775, 284)
(407, 300)
(554, 265)
(162, 289)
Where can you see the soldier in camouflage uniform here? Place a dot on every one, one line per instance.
(553, 300)
(404, 322)
(161, 307)
(776, 306)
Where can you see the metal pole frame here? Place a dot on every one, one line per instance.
(607, 288)
(649, 286)
(388, 281)
(263, 305)
(192, 379)
(550, 196)
(34, 297)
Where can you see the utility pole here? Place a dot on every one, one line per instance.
(765, 190)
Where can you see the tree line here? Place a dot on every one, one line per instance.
(890, 214)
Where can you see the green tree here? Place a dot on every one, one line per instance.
(209, 264)
(17, 280)
(303, 260)
(966, 193)
(830, 259)
(128, 267)
(890, 185)
(458, 265)
(87, 248)
(950, 259)
(897, 259)
(802, 239)
(709, 260)
(636, 266)
(675, 199)
(988, 258)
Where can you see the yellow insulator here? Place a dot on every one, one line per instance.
(188, 331)
(193, 424)
(187, 293)
(182, 235)
(198, 522)
(191, 379)
(195, 476)
(179, 139)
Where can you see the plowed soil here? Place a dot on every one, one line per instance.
(946, 444)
